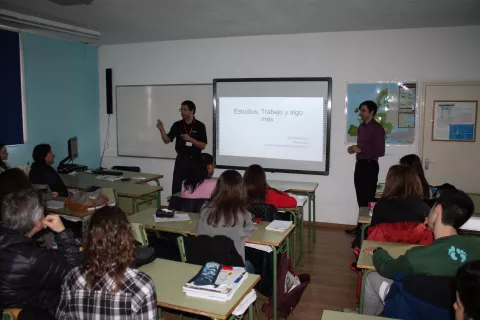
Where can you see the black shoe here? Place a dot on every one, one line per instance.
(351, 231)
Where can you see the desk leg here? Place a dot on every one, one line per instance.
(159, 204)
(301, 237)
(310, 201)
(137, 206)
(362, 292)
(275, 267)
(250, 311)
(314, 218)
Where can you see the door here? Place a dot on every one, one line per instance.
(455, 162)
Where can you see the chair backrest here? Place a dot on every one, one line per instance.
(185, 204)
(421, 297)
(202, 249)
(139, 233)
(263, 211)
(126, 168)
(476, 201)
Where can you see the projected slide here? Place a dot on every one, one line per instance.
(271, 127)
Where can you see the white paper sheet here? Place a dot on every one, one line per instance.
(176, 217)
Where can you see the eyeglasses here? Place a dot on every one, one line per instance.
(183, 109)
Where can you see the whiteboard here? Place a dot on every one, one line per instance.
(139, 107)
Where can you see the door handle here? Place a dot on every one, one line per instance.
(427, 163)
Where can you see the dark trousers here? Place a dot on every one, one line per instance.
(366, 178)
(180, 172)
(33, 313)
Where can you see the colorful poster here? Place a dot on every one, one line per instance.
(454, 120)
(392, 98)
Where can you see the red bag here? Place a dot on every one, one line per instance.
(85, 200)
(286, 301)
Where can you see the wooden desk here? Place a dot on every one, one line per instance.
(335, 315)
(125, 189)
(302, 188)
(170, 293)
(394, 249)
(364, 216)
(297, 218)
(278, 241)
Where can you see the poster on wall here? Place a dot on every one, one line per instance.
(454, 121)
(396, 109)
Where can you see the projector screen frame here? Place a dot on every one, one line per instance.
(328, 80)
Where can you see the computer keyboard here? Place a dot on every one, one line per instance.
(107, 172)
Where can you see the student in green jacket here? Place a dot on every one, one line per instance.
(442, 258)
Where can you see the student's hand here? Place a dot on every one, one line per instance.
(350, 150)
(187, 138)
(159, 124)
(369, 251)
(54, 223)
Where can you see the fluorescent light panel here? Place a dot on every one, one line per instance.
(47, 24)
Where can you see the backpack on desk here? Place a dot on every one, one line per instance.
(85, 200)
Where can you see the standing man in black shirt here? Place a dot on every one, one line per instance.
(191, 140)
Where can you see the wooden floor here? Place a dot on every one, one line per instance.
(332, 285)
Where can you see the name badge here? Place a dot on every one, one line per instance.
(188, 144)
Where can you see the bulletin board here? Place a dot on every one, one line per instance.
(454, 121)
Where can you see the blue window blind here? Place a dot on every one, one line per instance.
(11, 127)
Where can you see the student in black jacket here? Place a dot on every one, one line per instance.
(402, 199)
(414, 162)
(41, 171)
(31, 277)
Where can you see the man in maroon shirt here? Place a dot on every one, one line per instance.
(370, 146)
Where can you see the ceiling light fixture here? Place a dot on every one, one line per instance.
(23, 19)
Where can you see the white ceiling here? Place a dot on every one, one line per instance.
(125, 21)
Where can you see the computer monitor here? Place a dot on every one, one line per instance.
(73, 148)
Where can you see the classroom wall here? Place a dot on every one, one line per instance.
(61, 94)
(435, 54)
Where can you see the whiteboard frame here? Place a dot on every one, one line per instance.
(150, 85)
(454, 101)
(328, 80)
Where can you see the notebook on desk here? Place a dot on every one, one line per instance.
(279, 225)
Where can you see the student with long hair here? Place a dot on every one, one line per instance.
(226, 213)
(198, 184)
(402, 199)
(106, 286)
(259, 191)
(414, 162)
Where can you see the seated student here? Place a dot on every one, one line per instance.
(467, 280)
(260, 192)
(399, 216)
(106, 286)
(31, 277)
(442, 258)
(198, 184)
(42, 172)
(401, 200)
(3, 157)
(414, 162)
(13, 180)
(226, 213)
